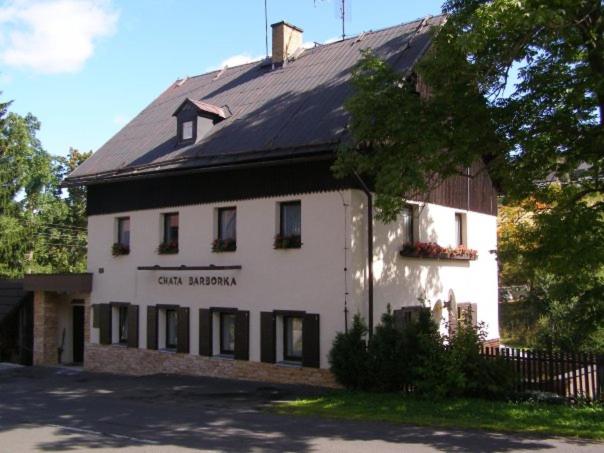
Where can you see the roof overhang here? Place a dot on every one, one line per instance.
(59, 283)
(204, 164)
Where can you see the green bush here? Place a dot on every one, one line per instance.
(476, 374)
(416, 357)
(348, 357)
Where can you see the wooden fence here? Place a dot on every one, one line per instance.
(572, 376)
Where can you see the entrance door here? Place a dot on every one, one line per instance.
(78, 334)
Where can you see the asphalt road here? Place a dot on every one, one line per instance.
(50, 409)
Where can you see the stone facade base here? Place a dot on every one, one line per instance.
(492, 343)
(139, 362)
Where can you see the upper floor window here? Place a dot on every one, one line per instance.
(187, 131)
(227, 224)
(123, 231)
(459, 229)
(169, 242)
(407, 225)
(226, 240)
(290, 225)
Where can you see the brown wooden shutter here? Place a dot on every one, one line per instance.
(242, 335)
(182, 330)
(133, 326)
(105, 324)
(96, 316)
(205, 332)
(467, 310)
(405, 315)
(267, 337)
(151, 327)
(311, 351)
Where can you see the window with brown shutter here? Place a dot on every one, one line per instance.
(403, 316)
(242, 335)
(267, 337)
(205, 332)
(105, 324)
(182, 330)
(311, 356)
(467, 313)
(152, 327)
(133, 326)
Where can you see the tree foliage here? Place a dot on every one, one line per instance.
(43, 226)
(519, 84)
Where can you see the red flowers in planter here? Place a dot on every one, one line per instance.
(168, 248)
(118, 249)
(224, 245)
(287, 242)
(435, 251)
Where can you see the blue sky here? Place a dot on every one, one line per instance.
(86, 67)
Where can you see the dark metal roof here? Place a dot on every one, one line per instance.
(274, 111)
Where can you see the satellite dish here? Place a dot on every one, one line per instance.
(452, 304)
(437, 312)
(452, 308)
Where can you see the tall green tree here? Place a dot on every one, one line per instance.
(42, 227)
(541, 134)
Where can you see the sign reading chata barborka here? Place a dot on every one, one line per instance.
(196, 280)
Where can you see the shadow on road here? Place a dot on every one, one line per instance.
(96, 411)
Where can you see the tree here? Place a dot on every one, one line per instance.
(541, 137)
(43, 228)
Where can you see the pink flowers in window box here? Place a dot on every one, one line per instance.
(432, 250)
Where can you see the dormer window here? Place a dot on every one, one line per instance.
(195, 119)
(187, 130)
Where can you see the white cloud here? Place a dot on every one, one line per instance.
(53, 36)
(236, 60)
(121, 120)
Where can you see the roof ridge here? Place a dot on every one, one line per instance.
(348, 38)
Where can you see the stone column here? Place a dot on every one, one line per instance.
(45, 329)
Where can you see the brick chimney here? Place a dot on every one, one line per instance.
(287, 39)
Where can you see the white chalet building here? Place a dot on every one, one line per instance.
(221, 244)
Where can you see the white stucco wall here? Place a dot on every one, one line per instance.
(311, 278)
(401, 281)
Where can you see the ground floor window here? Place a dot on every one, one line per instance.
(123, 324)
(292, 338)
(227, 333)
(171, 326)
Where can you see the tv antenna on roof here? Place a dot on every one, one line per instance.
(343, 11)
(266, 27)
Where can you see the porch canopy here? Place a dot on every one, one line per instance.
(59, 283)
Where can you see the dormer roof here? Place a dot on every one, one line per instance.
(202, 108)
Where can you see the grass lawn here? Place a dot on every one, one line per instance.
(587, 422)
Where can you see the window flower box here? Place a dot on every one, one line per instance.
(119, 249)
(287, 242)
(224, 245)
(168, 248)
(431, 250)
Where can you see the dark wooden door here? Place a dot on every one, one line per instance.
(78, 334)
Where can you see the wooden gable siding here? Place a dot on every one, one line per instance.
(476, 193)
(473, 193)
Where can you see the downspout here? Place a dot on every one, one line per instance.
(367, 192)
